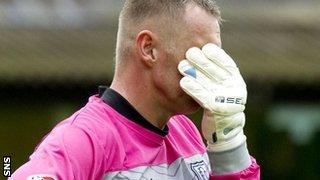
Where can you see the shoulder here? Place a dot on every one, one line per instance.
(85, 140)
(100, 124)
(78, 147)
(67, 152)
(95, 120)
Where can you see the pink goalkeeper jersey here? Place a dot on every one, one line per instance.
(98, 142)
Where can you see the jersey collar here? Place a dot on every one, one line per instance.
(122, 106)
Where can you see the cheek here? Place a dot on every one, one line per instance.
(172, 74)
(167, 77)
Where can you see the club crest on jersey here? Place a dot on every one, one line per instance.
(200, 170)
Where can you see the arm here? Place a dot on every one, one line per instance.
(212, 79)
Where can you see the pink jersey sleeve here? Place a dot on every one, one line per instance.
(67, 153)
(251, 173)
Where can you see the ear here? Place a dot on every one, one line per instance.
(146, 41)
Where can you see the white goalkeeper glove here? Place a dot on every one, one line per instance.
(212, 78)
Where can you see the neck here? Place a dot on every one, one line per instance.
(141, 95)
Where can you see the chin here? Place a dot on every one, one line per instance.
(194, 107)
(188, 106)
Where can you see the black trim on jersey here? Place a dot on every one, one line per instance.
(122, 106)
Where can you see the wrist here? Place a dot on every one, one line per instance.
(230, 161)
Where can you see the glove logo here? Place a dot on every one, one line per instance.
(200, 170)
(232, 100)
(229, 100)
(220, 99)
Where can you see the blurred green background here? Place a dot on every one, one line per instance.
(54, 54)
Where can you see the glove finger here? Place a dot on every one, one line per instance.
(196, 91)
(186, 69)
(208, 67)
(220, 57)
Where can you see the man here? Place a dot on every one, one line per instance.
(136, 129)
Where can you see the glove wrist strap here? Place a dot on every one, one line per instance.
(233, 143)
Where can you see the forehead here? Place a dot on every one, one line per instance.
(202, 26)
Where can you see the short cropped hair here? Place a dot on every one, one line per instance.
(138, 10)
(135, 12)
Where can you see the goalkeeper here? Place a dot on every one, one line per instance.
(168, 64)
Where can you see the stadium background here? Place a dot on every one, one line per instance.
(54, 54)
